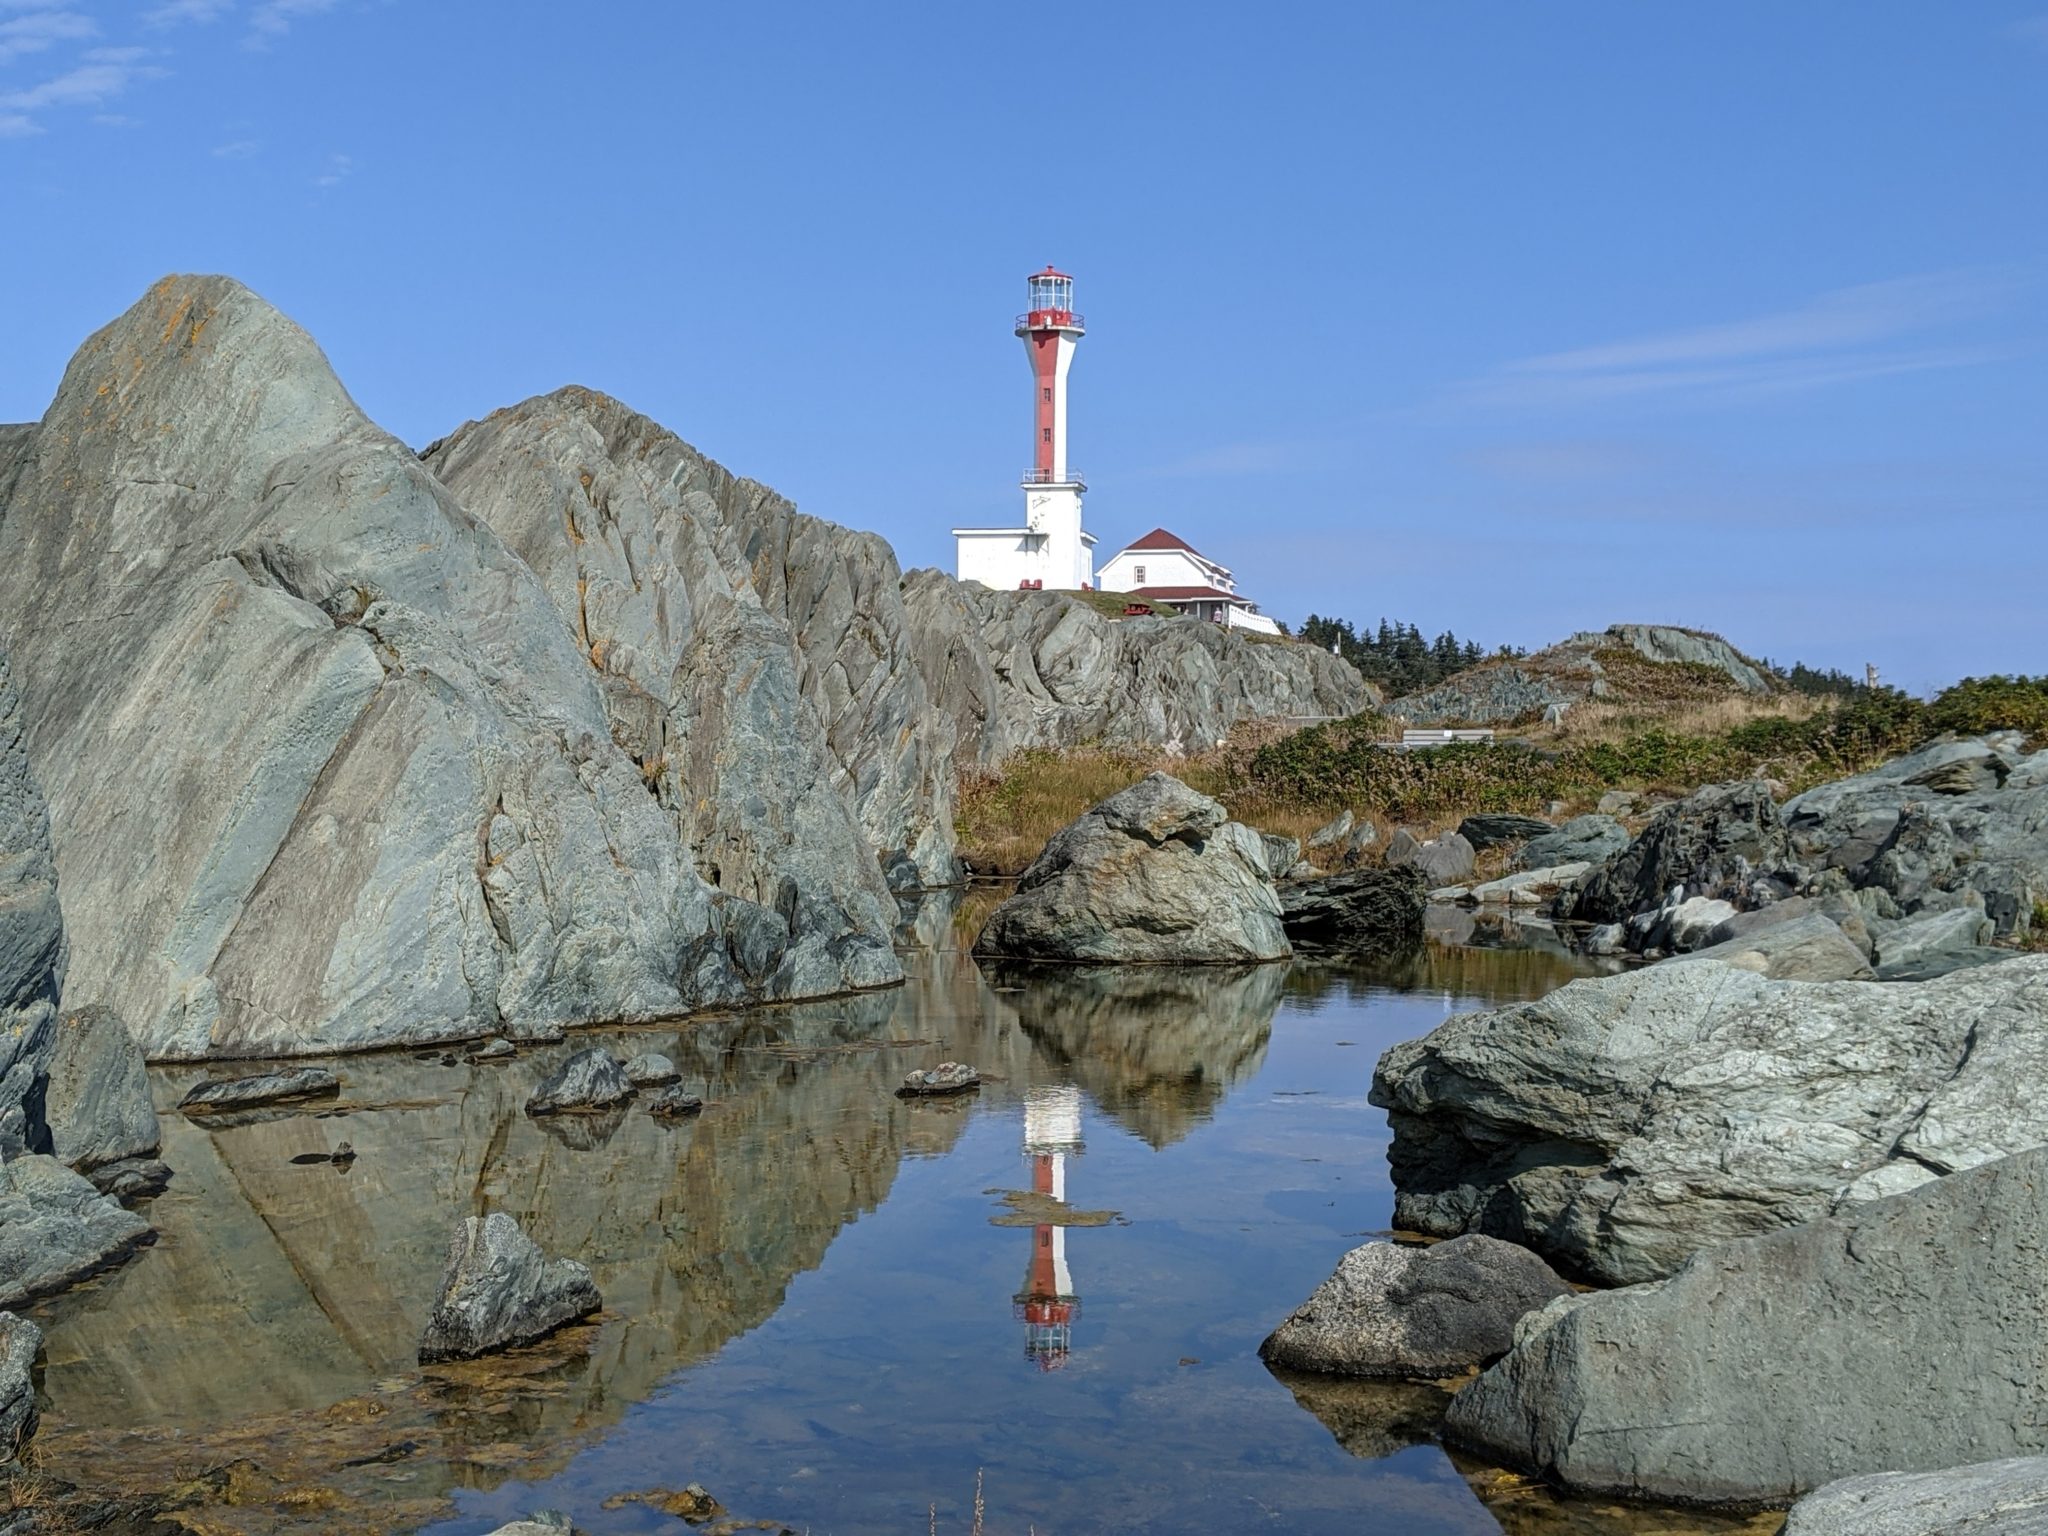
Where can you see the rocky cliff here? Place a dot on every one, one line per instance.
(325, 767)
(32, 950)
(1013, 670)
(679, 580)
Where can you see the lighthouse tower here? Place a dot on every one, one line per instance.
(1047, 1303)
(1051, 550)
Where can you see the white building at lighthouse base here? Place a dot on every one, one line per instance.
(1051, 549)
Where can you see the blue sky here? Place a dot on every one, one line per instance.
(1504, 317)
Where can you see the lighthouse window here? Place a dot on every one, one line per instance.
(1045, 434)
(1048, 391)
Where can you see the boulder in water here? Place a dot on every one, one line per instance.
(97, 1101)
(1391, 1310)
(1154, 874)
(20, 1342)
(55, 1229)
(933, 1082)
(232, 1093)
(588, 1081)
(499, 1290)
(651, 1069)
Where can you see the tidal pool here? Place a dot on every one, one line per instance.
(831, 1307)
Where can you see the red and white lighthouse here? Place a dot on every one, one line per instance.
(1051, 549)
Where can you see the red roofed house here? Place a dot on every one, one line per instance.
(1165, 566)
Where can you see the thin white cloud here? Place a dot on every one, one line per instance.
(115, 120)
(1839, 337)
(89, 85)
(15, 125)
(178, 13)
(338, 169)
(271, 19)
(43, 29)
(238, 149)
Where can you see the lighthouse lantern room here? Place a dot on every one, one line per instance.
(1051, 549)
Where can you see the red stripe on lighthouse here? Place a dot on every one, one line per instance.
(1045, 357)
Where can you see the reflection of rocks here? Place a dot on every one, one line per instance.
(264, 1088)
(499, 1289)
(584, 1131)
(1524, 1507)
(1155, 1046)
(1370, 1419)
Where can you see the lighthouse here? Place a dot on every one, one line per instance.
(1050, 550)
(1047, 1303)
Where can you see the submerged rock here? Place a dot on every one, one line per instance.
(1154, 874)
(55, 1229)
(1988, 1498)
(1907, 1335)
(673, 1103)
(1365, 910)
(20, 1342)
(97, 1101)
(1619, 1125)
(946, 1077)
(1391, 1310)
(589, 1080)
(499, 1290)
(265, 1088)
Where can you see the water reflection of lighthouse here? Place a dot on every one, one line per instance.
(1047, 1304)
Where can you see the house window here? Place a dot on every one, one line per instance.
(1138, 574)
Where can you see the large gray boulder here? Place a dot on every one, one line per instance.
(20, 1342)
(1811, 947)
(1364, 910)
(325, 765)
(1501, 831)
(1013, 670)
(1590, 839)
(1442, 860)
(1988, 1498)
(1908, 1335)
(32, 943)
(1154, 874)
(587, 1082)
(55, 1229)
(1621, 1124)
(1391, 1310)
(499, 1290)
(97, 1100)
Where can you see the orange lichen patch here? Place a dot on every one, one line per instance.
(177, 319)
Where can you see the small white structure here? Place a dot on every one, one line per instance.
(1050, 550)
(1165, 567)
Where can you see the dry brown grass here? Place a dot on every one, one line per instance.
(1594, 721)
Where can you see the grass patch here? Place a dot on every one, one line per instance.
(1111, 604)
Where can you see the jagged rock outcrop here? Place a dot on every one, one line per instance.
(1619, 1125)
(1609, 663)
(1907, 1335)
(1042, 669)
(1987, 1498)
(740, 646)
(20, 1342)
(498, 1289)
(1717, 842)
(1391, 1310)
(55, 1229)
(32, 942)
(1155, 874)
(326, 769)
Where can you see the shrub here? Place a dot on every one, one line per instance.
(1996, 703)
